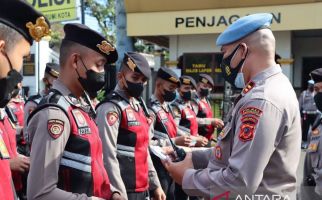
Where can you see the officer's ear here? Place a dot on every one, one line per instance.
(243, 50)
(73, 59)
(2, 45)
(119, 75)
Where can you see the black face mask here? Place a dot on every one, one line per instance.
(94, 81)
(204, 92)
(186, 95)
(169, 96)
(8, 84)
(134, 89)
(230, 73)
(318, 100)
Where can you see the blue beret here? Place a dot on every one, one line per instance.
(243, 27)
(311, 82)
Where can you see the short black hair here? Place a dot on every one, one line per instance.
(10, 36)
(66, 48)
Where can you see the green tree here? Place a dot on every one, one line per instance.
(104, 12)
(57, 34)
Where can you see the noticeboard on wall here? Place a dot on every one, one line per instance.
(29, 65)
(206, 63)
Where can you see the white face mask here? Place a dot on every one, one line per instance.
(240, 81)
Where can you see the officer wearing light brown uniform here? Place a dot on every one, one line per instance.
(124, 129)
(258, 150)
(18, 21)
(66, 150)
(312, 182)
(202, 107)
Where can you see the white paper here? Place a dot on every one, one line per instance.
(156, 150)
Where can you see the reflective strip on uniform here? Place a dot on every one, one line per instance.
(160, 135)
(184, 129)
(76, 165)
(78, 157)
(125, 148)
(125, 153)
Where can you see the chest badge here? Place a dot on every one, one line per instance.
(81, 122)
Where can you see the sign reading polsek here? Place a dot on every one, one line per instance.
(56, 10)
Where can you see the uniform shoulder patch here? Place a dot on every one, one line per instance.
(218, 152)
(111, 118)
(246, 132)
(252, 111)
(249, 120)
(55, 127)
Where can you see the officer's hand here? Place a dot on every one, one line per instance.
(184, 140)
(117, 196)
(177, 169)
(218, 123)
(167, 150)
(159, 194)
(20, 164)
(201, 141)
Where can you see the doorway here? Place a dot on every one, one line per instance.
(309, 64)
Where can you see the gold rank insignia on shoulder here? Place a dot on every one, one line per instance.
(38, 30)
(173, 79)
(105, 47)
(131, 64)
(186, 81)
(227, 69)
(204, 80)
(248, 87)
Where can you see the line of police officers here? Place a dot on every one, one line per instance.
(77, 153)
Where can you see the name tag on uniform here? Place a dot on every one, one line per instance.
(81, 122)
(163, 115)
(187, 113)
(131, 119)
(4, 153)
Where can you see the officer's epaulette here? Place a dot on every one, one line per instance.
(110, 96)
(248, 87)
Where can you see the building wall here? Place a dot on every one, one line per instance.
(206, 43)
(43, 55)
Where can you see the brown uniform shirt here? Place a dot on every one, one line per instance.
(109, 135)
(46, 153)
